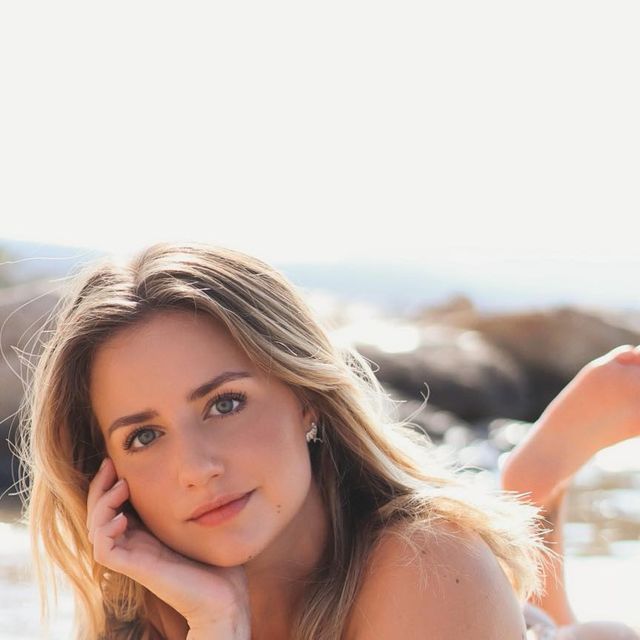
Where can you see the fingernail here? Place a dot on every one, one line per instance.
(104, 462)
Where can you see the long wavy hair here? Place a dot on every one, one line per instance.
(374, 471)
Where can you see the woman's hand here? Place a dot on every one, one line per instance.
(208, 597)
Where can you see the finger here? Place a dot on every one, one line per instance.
(621, 353)
(100, 483)
(105, 540)
(107, 506)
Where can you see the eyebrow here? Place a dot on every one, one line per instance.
(196, 394)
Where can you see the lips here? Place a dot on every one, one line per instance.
(214, 504)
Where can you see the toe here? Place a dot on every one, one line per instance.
(625, 353)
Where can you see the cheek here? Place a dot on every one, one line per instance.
(282, 455)
(278, 439)
(145, 495)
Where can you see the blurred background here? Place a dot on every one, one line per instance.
(453, 186)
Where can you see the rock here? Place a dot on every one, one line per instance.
(459, 371)
(551, 346)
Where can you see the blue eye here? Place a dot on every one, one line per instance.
(223, 399)
(228, 399)
(127, 446)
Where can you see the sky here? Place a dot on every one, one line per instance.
(410, 131)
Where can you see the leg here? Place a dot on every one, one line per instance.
(554, 600)
(599, 407)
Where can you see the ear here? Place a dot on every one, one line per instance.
(309, 413)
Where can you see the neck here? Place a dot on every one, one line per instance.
(277, 577)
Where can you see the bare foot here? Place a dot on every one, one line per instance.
(598, 408)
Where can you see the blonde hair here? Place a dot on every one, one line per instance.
(374, 472)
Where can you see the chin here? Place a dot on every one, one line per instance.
(232, 554)
(232, 560)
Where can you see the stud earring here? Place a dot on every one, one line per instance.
(312, 434)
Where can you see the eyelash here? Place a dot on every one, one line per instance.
(229, 395)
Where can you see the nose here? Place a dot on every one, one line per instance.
(197, 462)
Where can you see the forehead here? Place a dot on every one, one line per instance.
(171, 331)
(169, 352)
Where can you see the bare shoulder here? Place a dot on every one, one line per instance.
(441, 583)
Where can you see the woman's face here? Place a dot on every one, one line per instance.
(248, 434)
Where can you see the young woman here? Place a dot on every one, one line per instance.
(206, 464)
